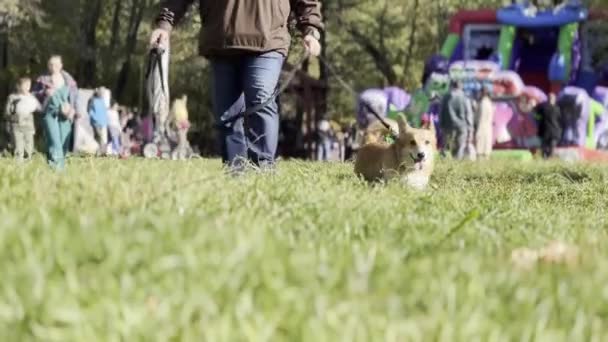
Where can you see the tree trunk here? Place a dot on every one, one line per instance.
(379, 57)
(407, 63)
(88, 57)
(5, 90)
(377, 53)
(136, 16)
(4, 52)
(323, 72)
(115, 26)
(112, 51)
(441, 18)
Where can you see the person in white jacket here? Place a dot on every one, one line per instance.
(20, 109)
(114, 127)
(483, 136)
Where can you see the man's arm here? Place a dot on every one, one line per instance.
(308, 15)
(172, 12)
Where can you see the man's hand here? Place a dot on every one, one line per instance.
(312, 45)
(159, 37)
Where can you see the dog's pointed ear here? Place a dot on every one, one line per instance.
(402, 124)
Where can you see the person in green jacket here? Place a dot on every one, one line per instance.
(57, 91)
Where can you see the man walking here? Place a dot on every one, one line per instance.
(457, 120)
(247, 42)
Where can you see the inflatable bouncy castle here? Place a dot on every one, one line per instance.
(521, 53)
(549, 48)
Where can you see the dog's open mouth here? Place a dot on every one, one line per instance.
(417, 161)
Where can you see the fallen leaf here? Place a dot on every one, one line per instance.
(524, 258)
(558, 252)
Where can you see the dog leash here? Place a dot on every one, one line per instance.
(350, 89)
(290, 77)
(155, 59)
(278, 91)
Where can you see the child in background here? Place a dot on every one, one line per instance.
(20, 109)
(114, 128)
(483, 137)
(98, 114)
(179, 111)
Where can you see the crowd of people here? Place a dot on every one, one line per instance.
(333, 141)
(467, 123)
(117, 130)
(245, 70)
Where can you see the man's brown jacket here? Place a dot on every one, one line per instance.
(231, 26)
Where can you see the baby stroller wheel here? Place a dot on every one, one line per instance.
(150, 151)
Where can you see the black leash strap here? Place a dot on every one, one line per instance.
(278, 91)
(155, 59)
(350, 89)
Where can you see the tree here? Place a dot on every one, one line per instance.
(91, 13)
(138, 7)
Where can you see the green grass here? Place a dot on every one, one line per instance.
(169, 251)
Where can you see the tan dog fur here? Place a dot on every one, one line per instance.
(376, 132)
(410, 158)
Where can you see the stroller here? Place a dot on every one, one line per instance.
(166, 133)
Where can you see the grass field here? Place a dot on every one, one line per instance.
(167, 251)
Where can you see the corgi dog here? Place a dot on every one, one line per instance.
(410, 158)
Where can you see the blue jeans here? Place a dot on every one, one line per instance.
(241, 82)
(323, 149)
(115, 137)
